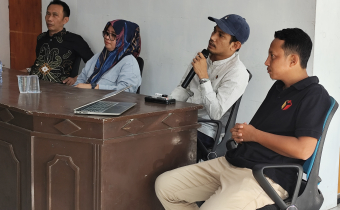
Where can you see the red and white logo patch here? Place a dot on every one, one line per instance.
(286, 105)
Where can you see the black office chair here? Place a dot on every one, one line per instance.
(75, 67)
(141, 66)
(306, 196)
(219, 149)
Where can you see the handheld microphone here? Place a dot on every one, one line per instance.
(191, 73)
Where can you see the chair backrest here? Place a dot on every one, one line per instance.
(311, 197)
(221, 150)
(75, 67)
(308, 165)
(141, 66)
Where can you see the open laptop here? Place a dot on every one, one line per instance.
(100, 107)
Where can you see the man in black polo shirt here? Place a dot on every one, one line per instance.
(57, 50)
(285, 129)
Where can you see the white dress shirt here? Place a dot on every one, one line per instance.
(228, 81)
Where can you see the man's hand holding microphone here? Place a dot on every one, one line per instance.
(199, 67)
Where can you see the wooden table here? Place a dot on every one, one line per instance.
(53, 159)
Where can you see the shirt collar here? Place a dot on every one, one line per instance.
(306, 82)
(220, 62)
(302, 84)
(59, 34)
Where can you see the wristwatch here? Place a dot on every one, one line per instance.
(93, 85)
(204, 80)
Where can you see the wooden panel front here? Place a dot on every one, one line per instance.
(119, 174)
(79, 162)
(15, 168)
(63, 179)
(63, 174)
(9, 177)
(131, 165)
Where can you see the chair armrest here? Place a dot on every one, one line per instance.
(261, 179)
(211, 154)
(219, 126)
(231, 144)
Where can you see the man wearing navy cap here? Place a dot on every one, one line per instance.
(285, 129)
(221, 79)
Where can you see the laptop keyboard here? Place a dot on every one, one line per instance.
(99, 106)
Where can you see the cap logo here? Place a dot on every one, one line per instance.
(286, 105)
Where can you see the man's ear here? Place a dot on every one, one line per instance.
(65, 20)
(294, 60)
(236, 45)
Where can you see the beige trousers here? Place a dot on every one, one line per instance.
(217, 182)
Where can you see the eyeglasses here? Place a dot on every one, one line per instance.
(112, 36)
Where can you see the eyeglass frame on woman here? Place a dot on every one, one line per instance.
(105, 33)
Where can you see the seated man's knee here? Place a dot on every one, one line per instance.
(162, 182)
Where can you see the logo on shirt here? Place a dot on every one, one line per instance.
(286, 105)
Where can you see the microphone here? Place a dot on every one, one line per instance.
(192, 73)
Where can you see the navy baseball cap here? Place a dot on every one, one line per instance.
(234, 25)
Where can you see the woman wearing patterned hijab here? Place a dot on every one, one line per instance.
(115, 67)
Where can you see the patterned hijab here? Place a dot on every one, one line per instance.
(127, 42)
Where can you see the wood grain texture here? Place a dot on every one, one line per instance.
(62, 183)
(9, 177)
(101, 166)
(25, 26)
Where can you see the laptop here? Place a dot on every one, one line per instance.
(100, 107)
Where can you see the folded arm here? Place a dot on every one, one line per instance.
(295, 147)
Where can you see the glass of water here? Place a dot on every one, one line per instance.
(23, 83)
(33, 84)
(28, 84)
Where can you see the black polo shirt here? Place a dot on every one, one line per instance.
(55, 55)
(299, 110)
